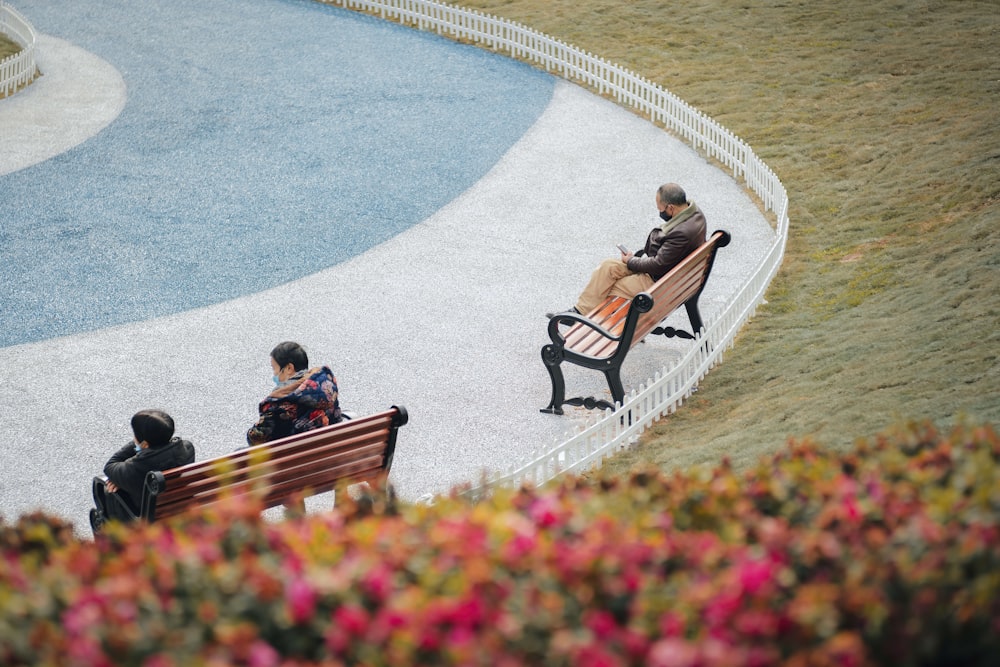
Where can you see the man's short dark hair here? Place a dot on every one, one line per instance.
(290, 353)
(671, 193)
(153, 426)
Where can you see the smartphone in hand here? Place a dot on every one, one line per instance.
(623, 249)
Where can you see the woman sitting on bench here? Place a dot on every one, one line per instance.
(304, 398)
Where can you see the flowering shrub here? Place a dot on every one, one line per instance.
(888, 555)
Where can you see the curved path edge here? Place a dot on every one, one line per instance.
(77, 96)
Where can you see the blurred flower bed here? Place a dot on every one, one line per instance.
(888, 555)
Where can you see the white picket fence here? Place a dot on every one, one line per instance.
(18, 69)
(616, 429)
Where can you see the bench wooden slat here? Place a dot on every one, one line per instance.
(237, 465)
(610, 316)
(186, 486)
(315, 447)
(618, 324)
(313, 462)
(279, 488)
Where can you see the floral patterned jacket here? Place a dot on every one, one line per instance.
(305, 401)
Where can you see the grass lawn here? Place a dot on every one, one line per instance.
(881, 118)
(7, 47)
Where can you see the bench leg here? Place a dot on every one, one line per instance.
(694, 317)
(552, 358)
(614, 378)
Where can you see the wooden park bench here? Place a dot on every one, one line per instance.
(348, 452)
(602, 338)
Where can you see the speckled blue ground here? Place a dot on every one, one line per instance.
(262, 141)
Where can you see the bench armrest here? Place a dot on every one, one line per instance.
(641, 303)
(555, 334)
(99, 491)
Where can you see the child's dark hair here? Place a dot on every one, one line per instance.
(290, 353)
(153, 426)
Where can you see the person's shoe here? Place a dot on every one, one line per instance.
(96, 520)
(571, 310)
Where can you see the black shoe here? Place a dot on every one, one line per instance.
(96, 520)
(572, 310)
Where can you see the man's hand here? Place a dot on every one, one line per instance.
(110, 486)
(626, 256)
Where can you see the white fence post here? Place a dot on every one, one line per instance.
(19, 69)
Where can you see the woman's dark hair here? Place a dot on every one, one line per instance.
(153, 426)
(290, 353)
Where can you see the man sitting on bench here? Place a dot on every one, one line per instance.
(153, 447)
(682, 232)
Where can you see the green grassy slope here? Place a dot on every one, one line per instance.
(8, 47)
(881, 118)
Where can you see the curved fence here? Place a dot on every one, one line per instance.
(19, 69)
(664, 393)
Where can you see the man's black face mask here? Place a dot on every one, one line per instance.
(665, 216)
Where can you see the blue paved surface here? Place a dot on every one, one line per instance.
(262, 141)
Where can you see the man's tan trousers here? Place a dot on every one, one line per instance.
(612, 278)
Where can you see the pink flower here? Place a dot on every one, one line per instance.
(851, 510)
(720, 609)
(545, 511)
(458, 637)
(757, 623)
(262, 654)
(754, 574)
(673, 653)
(596, 656)
(349, 622)
(301, 600)
(352, 618)
(671, 624)
(86, 613)
(519, 546)
(468, 612)
(378, 582)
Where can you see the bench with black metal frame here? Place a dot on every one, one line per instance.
(601, 339)
(278, 472)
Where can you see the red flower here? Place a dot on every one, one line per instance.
(601, 623)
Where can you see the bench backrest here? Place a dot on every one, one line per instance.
(682, 284)
(354, 450)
